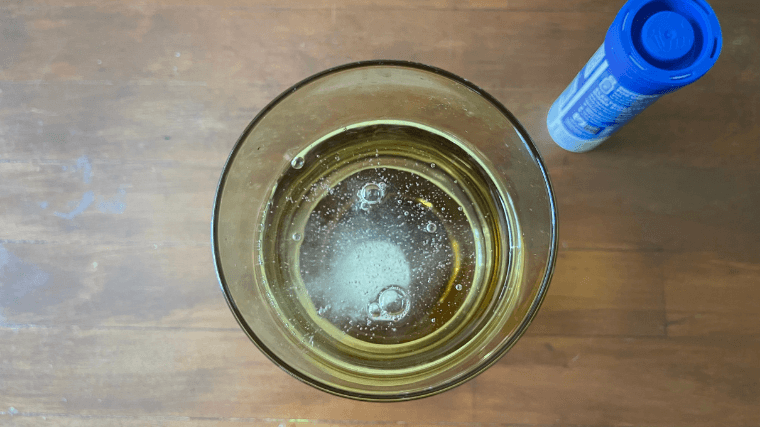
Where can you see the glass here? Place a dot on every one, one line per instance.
(384, 230)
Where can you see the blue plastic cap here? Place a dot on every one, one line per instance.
(657, 46)
(667, 36)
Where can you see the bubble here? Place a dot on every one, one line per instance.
(372, 192)
(296, 236)
(392, 301)
(430, 227)
(459, 209)
(297, 162)
(458, 287)
(432, 165)
(374, 309)
(392, 304)
(433, 320)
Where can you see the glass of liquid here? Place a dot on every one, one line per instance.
(384, 230)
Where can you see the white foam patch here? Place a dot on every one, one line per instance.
(360, 272)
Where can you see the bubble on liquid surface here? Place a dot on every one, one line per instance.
(374, 310)
(392, 304)
(458, 287)
(371, 193)
(296, 236)
(431, 227)
(297, 162)
(392, 300)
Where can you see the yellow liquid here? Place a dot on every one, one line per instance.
(386, 247)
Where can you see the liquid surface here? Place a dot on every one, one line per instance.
(382, 255)
(384, 234)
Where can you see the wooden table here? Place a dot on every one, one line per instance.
(117, 116)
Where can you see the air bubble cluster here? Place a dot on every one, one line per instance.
(391, 305)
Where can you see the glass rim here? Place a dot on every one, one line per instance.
(527, 319)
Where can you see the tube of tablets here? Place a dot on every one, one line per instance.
(653, 47)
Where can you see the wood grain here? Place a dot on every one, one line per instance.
(622, 381)
(216, 374)
(711, 295)
(116, 118)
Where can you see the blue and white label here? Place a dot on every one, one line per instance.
(593, 107)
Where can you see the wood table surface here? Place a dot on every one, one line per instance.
(116, 118)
